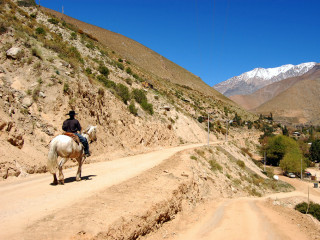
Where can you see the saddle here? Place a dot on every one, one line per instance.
(73, 136)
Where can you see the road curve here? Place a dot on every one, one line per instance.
(26, 200)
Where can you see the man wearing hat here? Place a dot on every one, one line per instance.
(72, 125)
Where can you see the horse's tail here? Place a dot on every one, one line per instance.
(52, 162)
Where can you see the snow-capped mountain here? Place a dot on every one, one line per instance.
(251, 81)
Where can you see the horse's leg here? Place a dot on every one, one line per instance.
(80, 161)
(55, 180)
(61, 177)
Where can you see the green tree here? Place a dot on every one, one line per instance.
(291, 162)
(278, 146)
(315, 151)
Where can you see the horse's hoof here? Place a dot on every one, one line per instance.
(54, 183)
(61, 182)
(78, 179)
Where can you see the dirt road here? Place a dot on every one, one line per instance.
(33, 209)
(25, 201)
(254, 218)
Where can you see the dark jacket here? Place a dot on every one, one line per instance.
(71, 125)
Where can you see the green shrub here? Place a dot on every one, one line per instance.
(3, 28)
(101, 92)
(66, 88)
(236, 181)
(33, 15)
(106, 82)
(246, 151)
(24, 111)
(120, 60)
(136, 77)
(228, 175)
(128, 81)
(241, 164)
(40, 31)
(148, 107)
(88, 71)
(72, 52)
(133, 109)
(129, 71)
(141, 98)
(252, 191)
(200, 119)
(139, 95)
(200, 153)
(193, 157)
(27, 3)
(35, 94)
(104, 70)
(37, 53)
(120, 66)
(53, 21)
(90, 45)
(215, 166)
(313, 209)
(123, 92)
(73, 36)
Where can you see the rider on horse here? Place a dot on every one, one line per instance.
(72, 125)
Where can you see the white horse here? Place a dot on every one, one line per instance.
(65, 147)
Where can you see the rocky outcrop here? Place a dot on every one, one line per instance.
(14, 53)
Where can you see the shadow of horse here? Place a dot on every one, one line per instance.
(73, 179)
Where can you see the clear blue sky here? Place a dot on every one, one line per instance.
(214, 39)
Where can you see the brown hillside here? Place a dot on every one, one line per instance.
(299, 103)
(47, 68)
(142, 56)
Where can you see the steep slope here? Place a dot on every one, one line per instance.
(56, 67)
(254, 100)
(299, 103)
(251, 81)
(142, 56)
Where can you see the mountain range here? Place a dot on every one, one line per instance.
(290, 92)
(251, 81)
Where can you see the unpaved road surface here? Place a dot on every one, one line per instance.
(31, 208)
(249, 218)
(25, 201)
(242, 219)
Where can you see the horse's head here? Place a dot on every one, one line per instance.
(92, 133)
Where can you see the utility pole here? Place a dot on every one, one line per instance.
(301, 168)
(264, 167)
(208, 129)
(227, 130)
(62, 10)
(39, 3)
